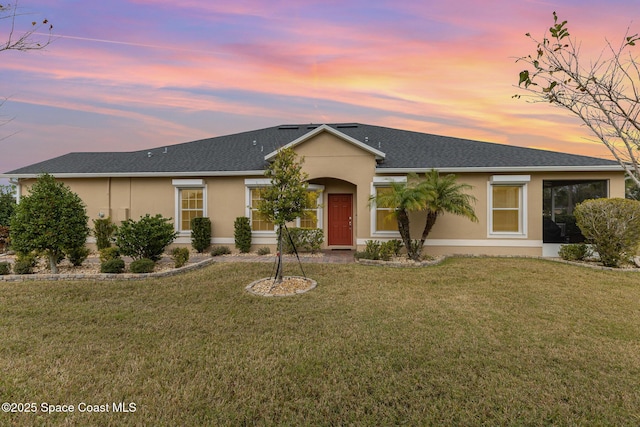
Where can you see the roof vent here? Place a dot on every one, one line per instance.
(149, 154)
(347, 126)
(255, 142)
(291, 127)
(165, 150)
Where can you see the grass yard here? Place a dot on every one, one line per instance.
(468, 342)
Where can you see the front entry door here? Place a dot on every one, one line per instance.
(340, 220)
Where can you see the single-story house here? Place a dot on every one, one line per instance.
(525, 197)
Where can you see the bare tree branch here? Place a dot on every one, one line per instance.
(27, 40)
(603, 94)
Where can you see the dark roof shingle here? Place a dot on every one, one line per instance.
(245, 152)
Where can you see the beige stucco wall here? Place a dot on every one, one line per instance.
(350, 168)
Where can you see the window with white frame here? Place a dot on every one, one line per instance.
(311, 218)
(190, 195)
(507, 205)
(383, 221)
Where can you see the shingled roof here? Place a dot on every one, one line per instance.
(244, 154)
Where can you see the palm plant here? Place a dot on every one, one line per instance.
(403, 198)
(443, 194)
(433, 194)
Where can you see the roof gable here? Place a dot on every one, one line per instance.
(325, 128)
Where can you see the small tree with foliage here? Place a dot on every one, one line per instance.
(612, 226)
(286, 198)
(7, 204)
(51, 220)
(145, 238)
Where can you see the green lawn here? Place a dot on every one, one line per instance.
(468, 342)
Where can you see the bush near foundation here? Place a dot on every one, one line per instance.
(201, 234)
(5, 268)
(146, 238)
(574, 252)
(612, 226)
(143, 265)
(115, 265)
(242, 234)
(180, 256)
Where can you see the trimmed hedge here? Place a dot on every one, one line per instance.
(201, 234)
(142, 265)
(115, 265)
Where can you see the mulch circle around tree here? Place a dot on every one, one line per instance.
(290, 285)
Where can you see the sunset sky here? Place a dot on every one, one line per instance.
(128, 75)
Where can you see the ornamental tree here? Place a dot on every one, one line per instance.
(50, 220)
(287, 197)
(603, 92)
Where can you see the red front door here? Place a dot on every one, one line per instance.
(340, 220)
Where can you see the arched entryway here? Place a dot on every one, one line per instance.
(339, 213)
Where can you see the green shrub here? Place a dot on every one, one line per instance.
(5, 268)
(201, 234)
(146, 238)
(574, 252)
(386, 251)
(612, 226)
(142, 265)
(264, 251)
(304, 239)
(77, 255)
(103, 230)
(362, 255)
(114, 266)
(372, 249)
(4, 238)
(180, 256)
(109, 253)
(25, 263)
(220, 250)
(242, 234)
(395, 246)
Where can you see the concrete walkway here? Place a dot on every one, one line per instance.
(323, 257)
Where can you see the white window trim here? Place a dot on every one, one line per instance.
(381, 181)
(521, 181)
(185, 184)
(250, 184)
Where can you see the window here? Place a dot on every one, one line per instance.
(385, 221)
(382, 222)
(506, 209)
(191, 206)
(507, 197)
(259, 221)
(190, 202)
(311, 218)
